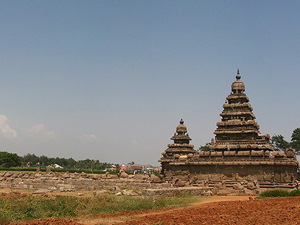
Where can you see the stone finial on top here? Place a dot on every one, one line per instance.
(181, 128)
(238, 86)
(238, 76)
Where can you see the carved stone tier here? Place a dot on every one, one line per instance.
(240, 163)
(238, 123)
(242, 97)
(180, 146)
(238, 105)
(236, 114)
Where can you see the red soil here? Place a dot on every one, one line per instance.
(269, 211)
(218, 210)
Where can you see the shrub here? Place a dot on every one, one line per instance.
(274, 193)
(279, 193)
(295, 193)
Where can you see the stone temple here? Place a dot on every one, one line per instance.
(240, 159)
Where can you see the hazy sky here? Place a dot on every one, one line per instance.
(110, 80)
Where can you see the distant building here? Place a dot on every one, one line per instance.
(132, 168)
(112, 168)
(56, 166)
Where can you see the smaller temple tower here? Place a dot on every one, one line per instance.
(180, 150)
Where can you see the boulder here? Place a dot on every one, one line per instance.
(129, 193)
(116, 188)
(208, 193)
(139, 177)
(66, 175)
(123, 175)
(155, 179)
(42, 191)
(180, 183)
(8, 174)
(251, 186)
(113, 176)
(238, 186)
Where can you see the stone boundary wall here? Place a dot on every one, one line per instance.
(148, 186)
(76, 182)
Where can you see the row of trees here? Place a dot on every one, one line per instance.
(278, 142)
(13, 160)
(70, 163)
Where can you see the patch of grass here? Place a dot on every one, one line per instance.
(279, 193)
(274, 193)
(159, 222)
(33, 207)
(294, 193)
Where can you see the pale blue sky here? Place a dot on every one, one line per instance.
(110, 80)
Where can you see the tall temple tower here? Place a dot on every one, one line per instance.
(238, 130)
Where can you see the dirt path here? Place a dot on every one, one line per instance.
(109, 219)
(258, 212)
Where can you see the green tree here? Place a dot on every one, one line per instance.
(9, 159)
(70, 163)
(295, 141)
(205, 147)
(31, 159)
(279, 142)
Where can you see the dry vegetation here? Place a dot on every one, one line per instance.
(51, 209)
(16, 206)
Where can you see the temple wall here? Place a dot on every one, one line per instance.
(232, 179)
(261, 173)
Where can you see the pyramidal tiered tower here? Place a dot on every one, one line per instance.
(180, 150)
(241, 160)
(181, 144)
(238, 131)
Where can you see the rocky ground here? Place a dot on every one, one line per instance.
(216, 210)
